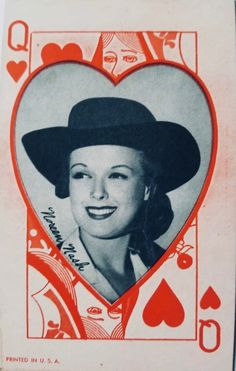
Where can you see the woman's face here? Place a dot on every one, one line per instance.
(117, 57)
(107, 189)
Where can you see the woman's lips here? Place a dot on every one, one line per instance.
(100, 213)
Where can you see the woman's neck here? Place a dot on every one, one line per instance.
(107, 253)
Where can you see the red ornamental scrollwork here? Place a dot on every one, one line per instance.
(160, 39)
(56, 274)
(184, 260)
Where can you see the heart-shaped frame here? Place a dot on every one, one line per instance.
(197, 203)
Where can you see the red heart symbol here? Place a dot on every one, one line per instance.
(53, 52)
(210, 299)
(164, 291)
(163, 306)
(16, 69)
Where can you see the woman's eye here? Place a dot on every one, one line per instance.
(94, 310)
(80, 175)
(130, 58)
(109, 59)
(118, 176)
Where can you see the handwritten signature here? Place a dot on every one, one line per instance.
(70, 252)
(48, 216)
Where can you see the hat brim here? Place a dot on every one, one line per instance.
(169, 145)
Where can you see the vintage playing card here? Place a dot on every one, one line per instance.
(117, 200)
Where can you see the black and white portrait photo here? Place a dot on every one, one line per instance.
(113, 171)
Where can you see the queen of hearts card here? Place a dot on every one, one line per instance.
(117, 158)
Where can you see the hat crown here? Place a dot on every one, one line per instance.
(108, 112)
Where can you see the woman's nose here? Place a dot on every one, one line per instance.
(118, 66)
(99, 191)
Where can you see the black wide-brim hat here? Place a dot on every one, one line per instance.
(116, 121)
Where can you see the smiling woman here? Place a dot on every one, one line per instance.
(115, 162)
(110, 191)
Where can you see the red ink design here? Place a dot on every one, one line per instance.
(209, 323)
(119, 51)
(118, 332)
(34, 234)
(210, 299)
(163, 306)
(94, 313)
(65, 326)
(52, 53)
(52, 324)
(25, 34)
(93, 329)
(58, 276)
(114, 313)
(128, 304)
(184, 261)
(94, 310)
(160, 39)
(16, 69)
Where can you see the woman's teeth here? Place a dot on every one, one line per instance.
(101, 212)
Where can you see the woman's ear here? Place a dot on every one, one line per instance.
(150, 191)
(147, 192)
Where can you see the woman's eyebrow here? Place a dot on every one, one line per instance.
(122, 165)
(129, 50)
(110, 51)
(77, 164)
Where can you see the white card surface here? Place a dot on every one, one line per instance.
(97, 272)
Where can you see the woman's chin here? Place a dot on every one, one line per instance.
(102, 233)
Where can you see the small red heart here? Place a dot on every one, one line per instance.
(163, 306)
(16, 69)
(210, 299)
(53, 52)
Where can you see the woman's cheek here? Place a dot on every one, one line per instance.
(119, 190)
(79, 191)
(128, 192)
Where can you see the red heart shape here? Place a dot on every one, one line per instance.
(210, 299)
(52, 53)
(163, 306)
(16, 69)
(156, 318)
